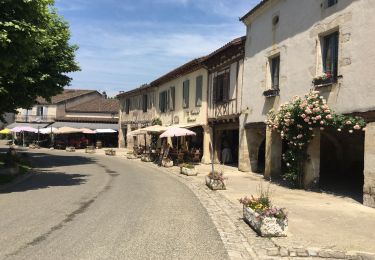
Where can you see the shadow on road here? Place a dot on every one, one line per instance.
(47, 179)
(43, 160)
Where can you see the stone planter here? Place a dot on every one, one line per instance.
(70, 149)
(188, 171)
(146, 159)
(110, 152)
(131, 156)
(167, 164)
(266, 227)
(215, 184)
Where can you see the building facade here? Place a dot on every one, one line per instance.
(290, 42)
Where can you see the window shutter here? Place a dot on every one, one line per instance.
(185, 93)
(160, 95)
(198, 91)
(173, 98)
(226, 87)
(214, 90)
(168, 99)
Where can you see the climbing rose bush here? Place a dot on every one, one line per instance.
(296, 121)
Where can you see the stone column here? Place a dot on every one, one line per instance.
(369, 169)
(129, 139)
(243, 156)
(273, 154)
(312, 164)
(217, 150)
(207, 142)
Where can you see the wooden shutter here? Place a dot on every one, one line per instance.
(172, 103)
(185, 90)
(168, 99)
(226, 87)
(198, 91)
(214, 90)
(160, 95)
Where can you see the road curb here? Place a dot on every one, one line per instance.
(18, 180)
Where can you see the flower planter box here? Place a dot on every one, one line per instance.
(320, 82)
(167, 164)
(215, 184)
(70, 149)
(267, 226)
(110, 152)
(271, 93)
(131, 156)
(90, 150)
(188, 171)
(146, 159)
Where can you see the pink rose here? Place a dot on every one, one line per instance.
(357, 127)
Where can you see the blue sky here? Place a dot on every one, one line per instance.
(125, 43)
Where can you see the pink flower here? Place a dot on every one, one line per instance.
(318, 117)
(339, 130)
(322, 122)
(303, 116)
(329, 117)
(306, 120)
(357, 127)
(348, 122)
(299, 136)
(351, 131)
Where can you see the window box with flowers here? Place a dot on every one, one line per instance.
(271, 93)
(216, 181)
(323, 80)
(188, 170)
(265, 219)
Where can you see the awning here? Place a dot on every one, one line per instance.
(105, 131)
(33, 125)
(91, 126)
(188, 125)
(68, 130)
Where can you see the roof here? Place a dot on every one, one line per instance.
(236, 42)
(89, 119)
(256, 8)
(99, 105)
(64, 96)
(182, 70)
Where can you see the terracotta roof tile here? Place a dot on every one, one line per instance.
(99, 105)
(64, 96)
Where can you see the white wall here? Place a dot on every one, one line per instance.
(297, 39)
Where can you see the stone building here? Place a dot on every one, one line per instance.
(289, 42)
(225, 68)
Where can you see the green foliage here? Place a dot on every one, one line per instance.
(35, 54)
(296, 121)
(156, 121)
(188, 165)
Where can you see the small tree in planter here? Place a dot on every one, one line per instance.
(265, 219)
(188, 169)
(216, 180)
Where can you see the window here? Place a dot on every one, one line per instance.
(221, 87)
(185, 94)
(198, 91)
(275, 72)
(144, 103)
(172, 96)
(39, 111)
(163, 101)
(330, 54)
(127, 106)
(330, 3)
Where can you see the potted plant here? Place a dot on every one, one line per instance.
(70, 149)
(166, 162)
(324, 79)
(265, 219)
(216, 181)
(188, 169)
(110, 152)
(146, 158)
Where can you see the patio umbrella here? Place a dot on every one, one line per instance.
(174, 131)
(155, 129)
(67, 130)
(136, 132)
(48, 130)
(5, 131)
(20, 129)
(105, 131)
(87, 131)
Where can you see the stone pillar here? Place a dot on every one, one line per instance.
(121, 137)
(129, 139)
(312, 164)
(217, 150)
(243, 156)
(207, 142)
(369, 169)
(273, 154)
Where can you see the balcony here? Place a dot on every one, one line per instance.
(223, 109)
(35, 118)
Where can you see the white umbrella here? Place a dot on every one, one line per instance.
(47, 131)
(176, 131)
(67, 130)
(105, 131)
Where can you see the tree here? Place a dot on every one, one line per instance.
(35, 54)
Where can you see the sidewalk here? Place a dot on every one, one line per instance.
(315, 219)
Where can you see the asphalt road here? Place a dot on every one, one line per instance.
(96, 207)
